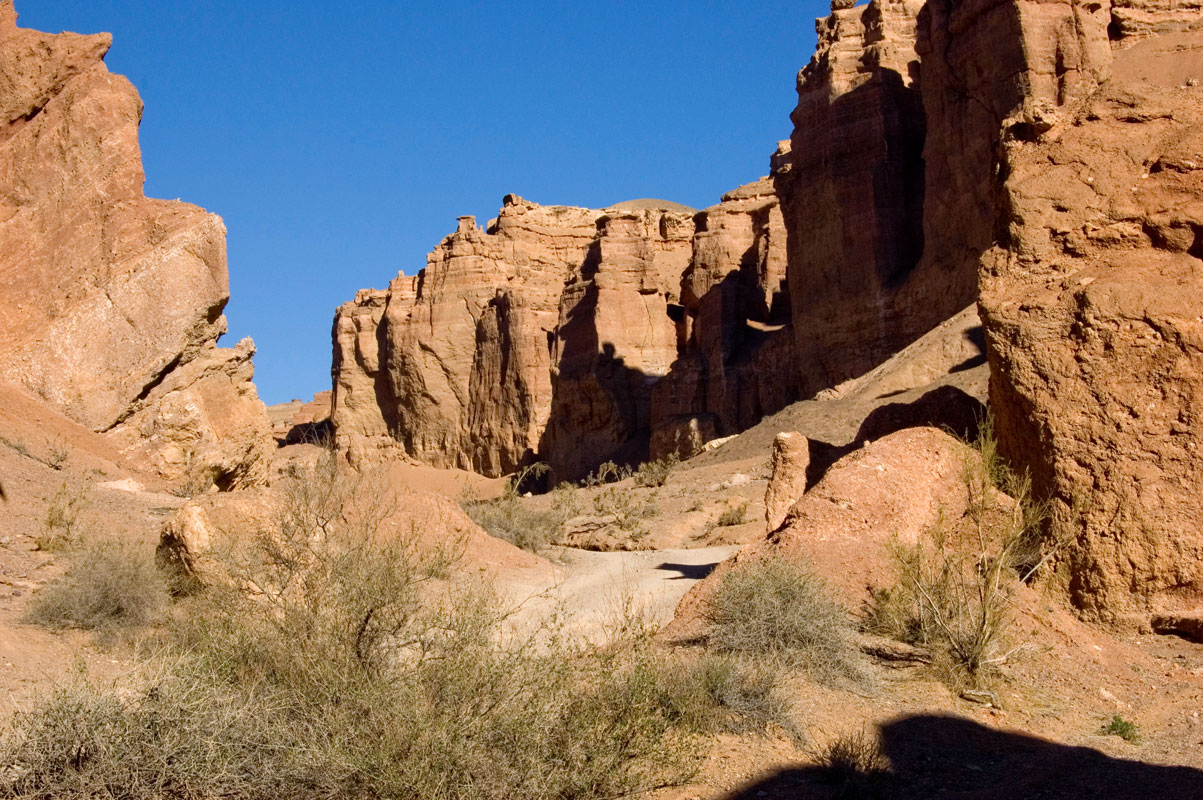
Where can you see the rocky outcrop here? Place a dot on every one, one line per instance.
(615, 339)
(572, 336)
(853, 200)
(1092, 307)
(787, 483)
(736, 361)
(550, 307)
(112, 301)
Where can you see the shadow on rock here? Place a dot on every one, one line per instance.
(953, 757)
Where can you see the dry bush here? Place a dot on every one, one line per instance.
(855, 764)
(109, 584)
(335, 663)
(954, 592)
(517, 519)
(735, 515)
(626, 507)
(777, 608)
(63, 510)
(656, 473)
(514, 519)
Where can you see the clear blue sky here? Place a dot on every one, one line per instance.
(339, 141)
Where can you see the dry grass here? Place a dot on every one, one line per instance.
(782, 610)
(334, 661)
(109, 585)
(63, 510)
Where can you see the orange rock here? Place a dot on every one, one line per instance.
(108, 296)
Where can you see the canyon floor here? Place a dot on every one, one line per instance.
(1042, 738)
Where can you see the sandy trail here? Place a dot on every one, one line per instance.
(595, 591)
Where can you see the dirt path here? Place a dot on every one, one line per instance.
(595, 591)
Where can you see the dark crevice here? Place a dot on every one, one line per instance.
(141, 397)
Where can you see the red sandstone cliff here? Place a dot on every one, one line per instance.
(112, 301)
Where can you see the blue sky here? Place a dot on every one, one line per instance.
(339, 141)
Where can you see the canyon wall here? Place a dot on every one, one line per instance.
(112, 301)
(1092, 307)
(853, 200)
(1039, 158)
(548, 335)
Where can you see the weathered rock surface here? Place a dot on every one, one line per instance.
(736, 359)
(1092, 307)
(108, 296)
(853, 199)
(787, 483)
(203, 424)
(549, 336)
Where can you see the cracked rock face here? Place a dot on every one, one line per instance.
(108, 295)
(1092, 305)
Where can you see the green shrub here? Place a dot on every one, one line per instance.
(779, 608)
(109, 584)
(1122, 728)
(656, 473)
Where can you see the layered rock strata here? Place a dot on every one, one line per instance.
(548, 336)
(112, 300)
(736, 361)
(461, 364)
(853, 200)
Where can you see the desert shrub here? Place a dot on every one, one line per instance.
(1124, 729)
(656, 473)
(57, 453)
(855, 764)
(519, 520)
(625, 506)
(109, 584)
(514, 519)
(741, 696)
(735, 515)
(779, 608)
(63, 510)
(333, 662)
(955, 590)
(607, 472)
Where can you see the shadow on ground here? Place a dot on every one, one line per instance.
(691, 572)
(951, 757)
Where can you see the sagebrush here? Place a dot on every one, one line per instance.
(779, 608)
(332, 657)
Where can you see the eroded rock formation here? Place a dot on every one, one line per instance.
(549, 336)
(736, 361)
(1092, 307)
(853, 200)
(112, 301)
